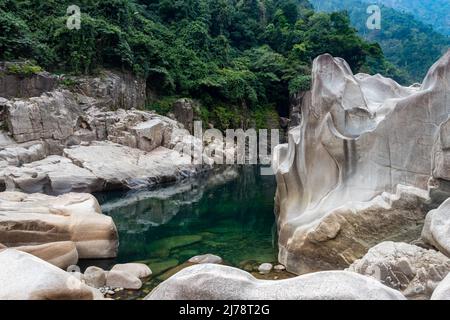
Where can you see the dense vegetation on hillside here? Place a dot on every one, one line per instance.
(433, 12)
(230, 54)
(409, 44)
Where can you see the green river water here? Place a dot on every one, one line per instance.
(230, 214)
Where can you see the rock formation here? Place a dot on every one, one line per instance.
(216, 282)
(25, 277)
(50, 139)
(38, 219)
(357, 170)
(436, 231)
(413, 270)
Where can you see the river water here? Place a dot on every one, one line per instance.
(229, 213)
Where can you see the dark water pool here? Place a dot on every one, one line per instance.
(229, 214)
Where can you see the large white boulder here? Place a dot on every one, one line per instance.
(31, 219)
(413, 270)
(62, 254)
(436, 230)
(217, 282)
(360, 138)
(123, 167)
(26, 277)
(442, 292)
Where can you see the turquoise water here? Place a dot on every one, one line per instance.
(229, 214)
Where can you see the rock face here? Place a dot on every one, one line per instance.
(25, 277)
(184, 111)
(216, 282)
(114, 90)
(39, 219)
(339, 177)
(413, 270)
(436, 231)
(16, 86)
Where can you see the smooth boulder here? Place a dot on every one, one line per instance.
(26, 277)
(138, 270)
(121, 279)
(34, 219)
(436, 230)
(217, 282)
(413, 270)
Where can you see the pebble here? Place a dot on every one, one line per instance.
(279, 268)
(265, 268)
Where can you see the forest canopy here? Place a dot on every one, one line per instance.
(245, 53)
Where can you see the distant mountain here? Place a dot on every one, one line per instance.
(434, 12)
(406, 42)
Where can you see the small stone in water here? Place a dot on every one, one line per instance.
(265, 268)
(111, 292)
(279, 268)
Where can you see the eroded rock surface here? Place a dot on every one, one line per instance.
(25, 277)
(33, 219)
(216, 282)
(436, 231)
(413, 270)
(338, 177)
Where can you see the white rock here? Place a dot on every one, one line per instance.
(217, 282)
(138, 270)
(360, 136)
(41, 219)
(121, 279)
(206, 258)
(436, 230)
(442, 292)
(61, 254)
(26, 277)
(124, 167)
(408, 268)
(95, 277)
(265, 268)
(279, 268)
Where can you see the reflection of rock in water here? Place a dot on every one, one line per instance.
(139, 210)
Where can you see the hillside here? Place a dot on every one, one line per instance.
(434, 12)
(407, 43)
(234, 56)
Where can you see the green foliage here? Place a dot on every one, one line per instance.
(234, 56)
(163, 105)
(300, 83)
(24, 69)
(411, 47)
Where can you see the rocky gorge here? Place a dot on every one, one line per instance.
(361, 205)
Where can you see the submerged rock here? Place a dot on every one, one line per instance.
(206, 258)
(25, 277)
(31, 219)
(162, 247)
(216, 282)
(338, 177)
(412, 270)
